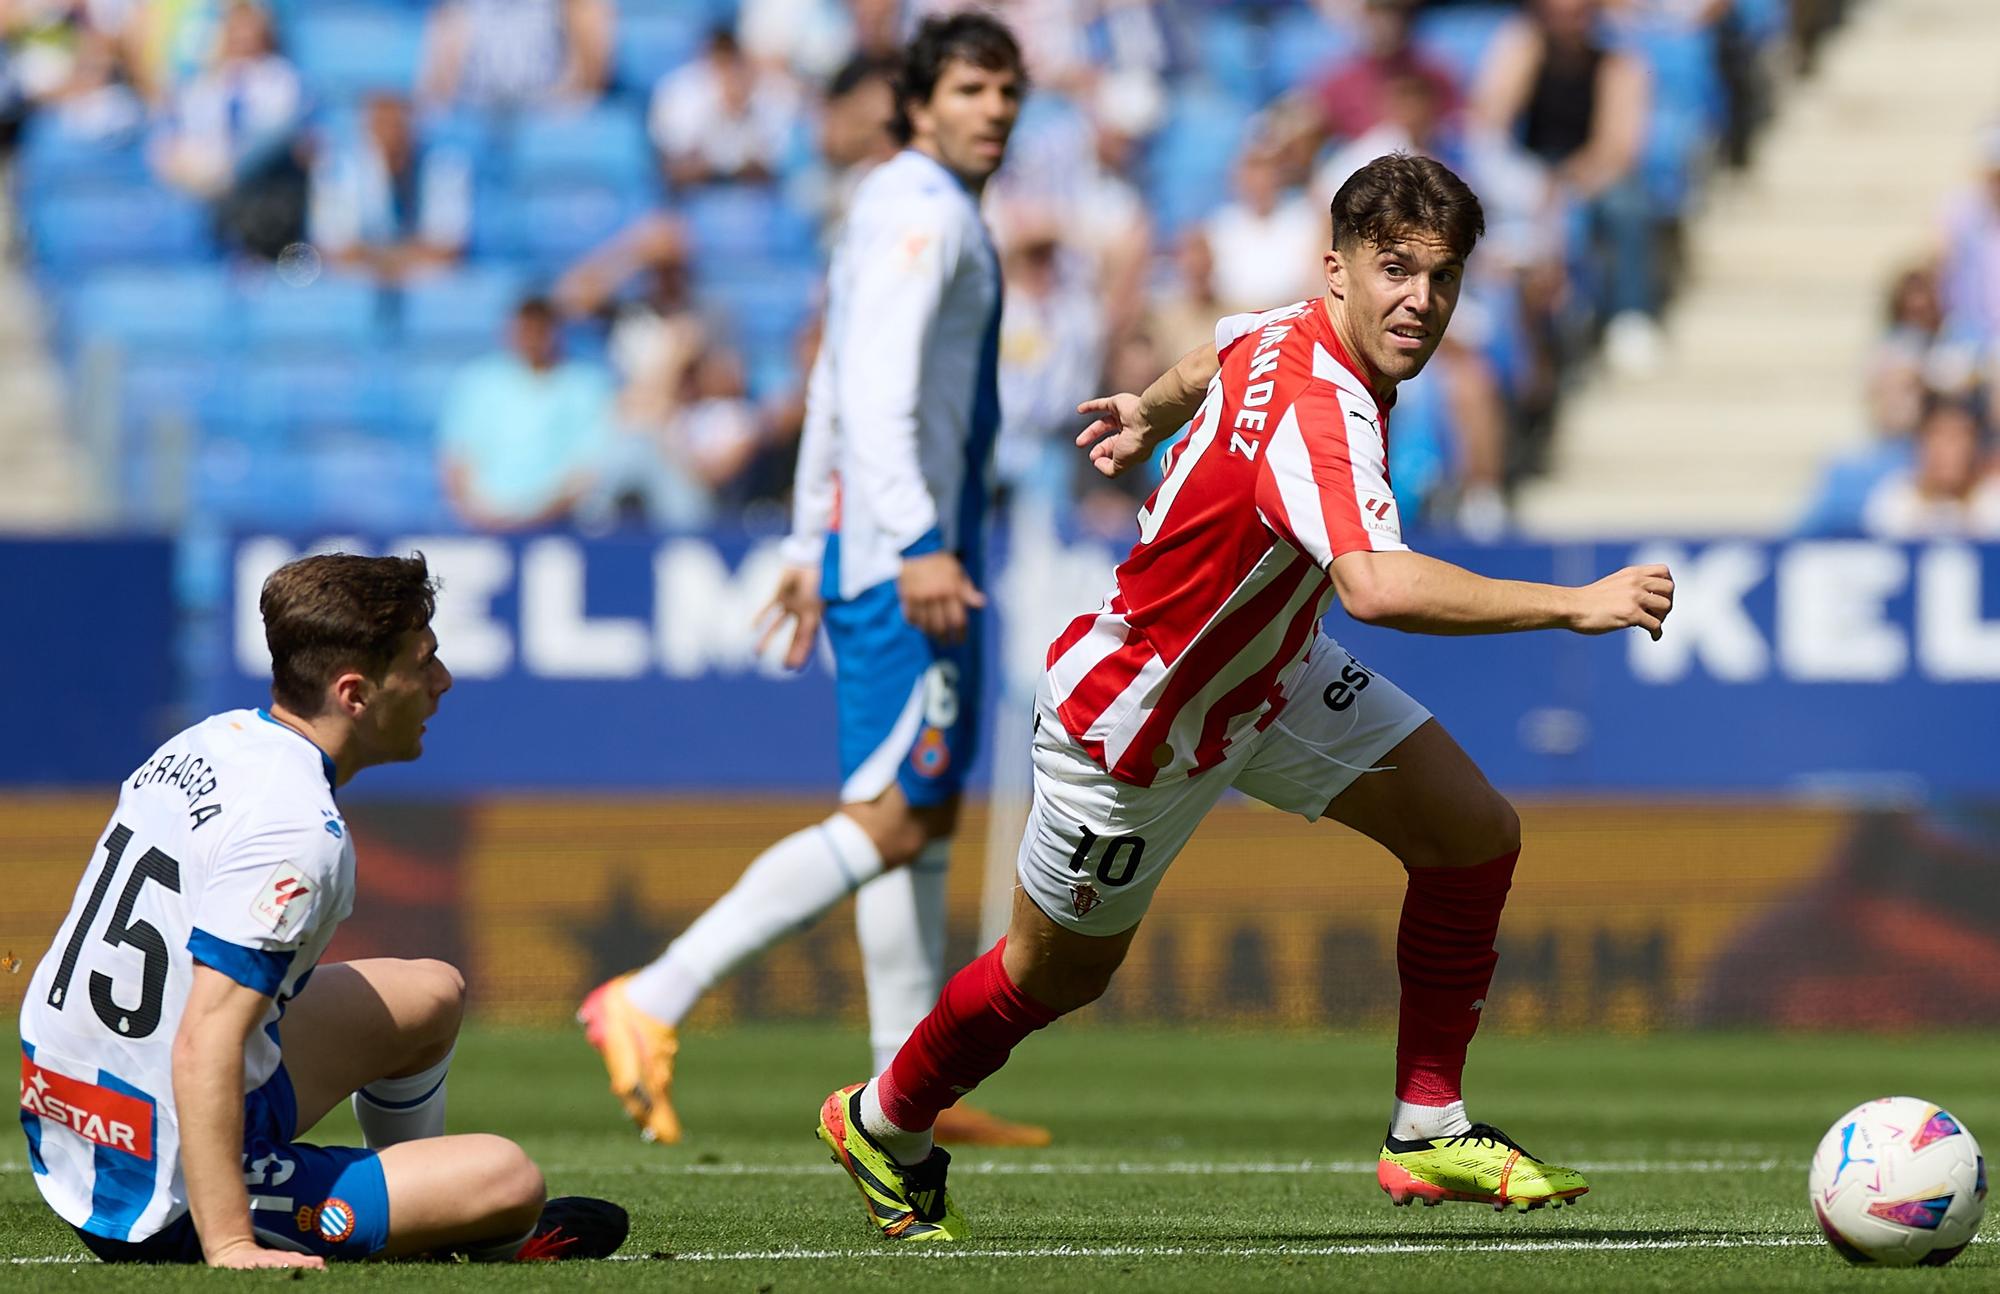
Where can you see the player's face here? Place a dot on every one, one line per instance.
(968, 118)
(405, 700)
(1394, 301)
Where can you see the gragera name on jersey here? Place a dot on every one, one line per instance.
(191, 775)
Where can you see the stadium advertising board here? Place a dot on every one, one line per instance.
(1847, 666)
(88, 657)
(1625, 915)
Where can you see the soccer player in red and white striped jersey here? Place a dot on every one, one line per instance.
(1208, 669)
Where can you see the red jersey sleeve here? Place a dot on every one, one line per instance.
(1325, 484)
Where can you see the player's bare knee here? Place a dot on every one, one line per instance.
(1506, 829)
(1477, 833)
(517, 1187)
(436, 1003)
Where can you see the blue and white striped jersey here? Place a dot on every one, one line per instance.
(227, 849)
(903, 403)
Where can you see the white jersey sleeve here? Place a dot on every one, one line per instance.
(271, 890)
(896, 282)
(814, 489)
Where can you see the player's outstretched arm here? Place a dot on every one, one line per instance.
(1129, 427)
(1419, 594)
(208, 1095)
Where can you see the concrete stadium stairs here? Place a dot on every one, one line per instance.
(46, 483)
(1788, 266)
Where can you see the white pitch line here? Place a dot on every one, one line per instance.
(1197, 1168)
(939, 1253)
(1137, 1169)
(929, 1253)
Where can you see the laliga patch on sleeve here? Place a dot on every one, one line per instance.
(284, 900)
(1379, 515)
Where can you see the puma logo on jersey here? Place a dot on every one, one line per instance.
(111, 1119)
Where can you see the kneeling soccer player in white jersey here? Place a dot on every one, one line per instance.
(171, 1046)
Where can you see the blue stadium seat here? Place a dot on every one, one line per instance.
(1682, 61)
(1233, 52)
(346, 50)
(605, 145)
(1188, 166)
(332, 312)
(180, 310)
(294, 401)
(475, 134)
(1302, 44)
(652, 43)
(1459, 36)
(51, 152)
(460, 314)
(77, 227)
(421, 389)
(198, 394)
(1764, 21)
(745, 220)
(373, 484)
(1845, 484)
(561, 221)
(765, 303)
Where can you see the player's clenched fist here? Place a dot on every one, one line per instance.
(1636, 596)
(936, 593)
(796, 603)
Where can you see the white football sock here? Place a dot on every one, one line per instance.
(784, 890)
(903, 1147)
(394, 1110)
(899, 918)
(1409, 1122)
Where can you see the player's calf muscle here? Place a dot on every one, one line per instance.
(464, 1189)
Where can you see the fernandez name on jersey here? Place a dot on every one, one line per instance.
(1284, 468)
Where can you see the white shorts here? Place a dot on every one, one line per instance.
(1095, 848)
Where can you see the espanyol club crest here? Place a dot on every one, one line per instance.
(336, 1221)
(931, 755)
(1083, 896)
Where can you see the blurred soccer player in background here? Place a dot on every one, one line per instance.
(171, 1047)
(887, 549)
(1208, 669)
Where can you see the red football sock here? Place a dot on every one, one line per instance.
(1445, 958)
(978, 1020)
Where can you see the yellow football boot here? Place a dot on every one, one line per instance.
(1481, 1166)
(908, 1202)
(638, 1053)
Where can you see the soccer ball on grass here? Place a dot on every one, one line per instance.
(1898, 1182)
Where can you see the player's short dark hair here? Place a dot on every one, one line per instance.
(537, 307)
(1397, 196)
(1943, 404)
(329, 614)
(969, 36)
(859, 71)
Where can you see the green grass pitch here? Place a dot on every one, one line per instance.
(1184, 1160)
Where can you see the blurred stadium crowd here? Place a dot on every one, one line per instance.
(509, 263)
(1932, 469)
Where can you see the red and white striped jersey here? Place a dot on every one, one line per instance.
(1284, 468)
